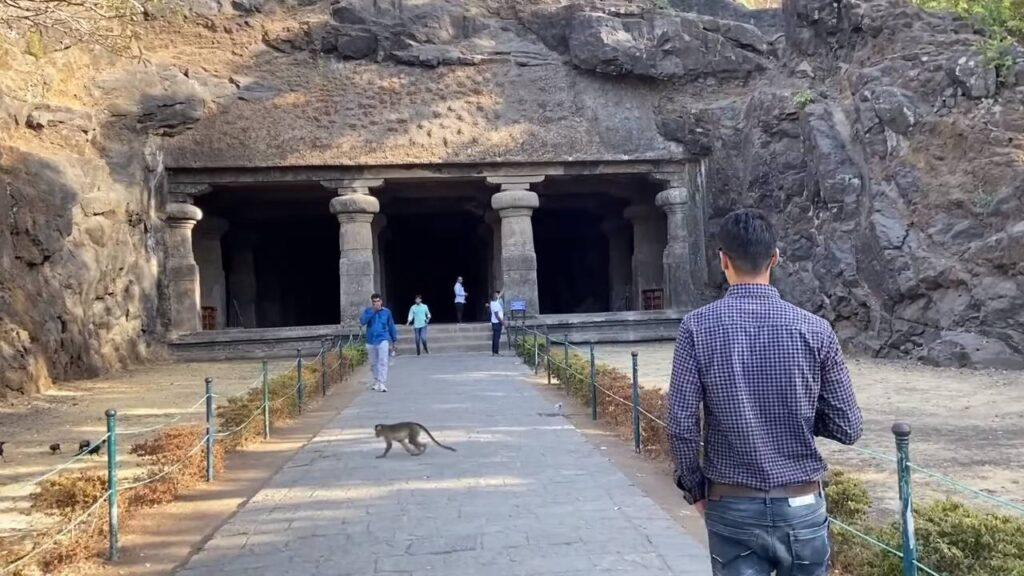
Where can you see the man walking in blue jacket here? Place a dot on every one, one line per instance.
(380, 335)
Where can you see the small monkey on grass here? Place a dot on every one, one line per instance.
(405, 433)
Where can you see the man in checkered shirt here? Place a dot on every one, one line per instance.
(770, 377)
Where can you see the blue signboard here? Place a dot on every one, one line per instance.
(518, 306)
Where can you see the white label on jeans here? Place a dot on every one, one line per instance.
(801, 501)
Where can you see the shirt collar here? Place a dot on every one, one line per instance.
(752, 291)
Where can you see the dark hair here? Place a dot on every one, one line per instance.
(375, 296)
(418, 296)
(748, 238)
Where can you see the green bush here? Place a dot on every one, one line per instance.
(999, 17)
(847, 497)
(803, 99)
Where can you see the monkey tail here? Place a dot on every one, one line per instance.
(435, 439)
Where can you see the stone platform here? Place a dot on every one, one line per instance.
(606, 327)
(524, 495)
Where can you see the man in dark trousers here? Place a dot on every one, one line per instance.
(497, 313)
(770, 377)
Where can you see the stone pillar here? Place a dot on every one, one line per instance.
(182, 271)
(355, 209)
(242, 281)
(494, 221)
(620, 274)
(515, 205)
(379, 281)
(676, 260)
(209, 255)
(648, 246)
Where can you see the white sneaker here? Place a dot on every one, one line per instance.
(382, 388)
(375, 387)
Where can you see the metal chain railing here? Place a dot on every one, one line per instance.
(207, 441)
(901, 432)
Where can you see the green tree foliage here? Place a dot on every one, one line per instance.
(999, 17)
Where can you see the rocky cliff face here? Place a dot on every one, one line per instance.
(890, 152)
(880, 137)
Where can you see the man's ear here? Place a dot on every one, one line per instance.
(775, 259)
(723, 261)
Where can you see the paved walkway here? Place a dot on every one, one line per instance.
(525, 494)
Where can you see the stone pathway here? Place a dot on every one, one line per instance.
(525, 494)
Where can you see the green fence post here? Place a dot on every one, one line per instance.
(901, 431)
(636, 403)
(112, 483)
(547, 356)
(565, 367)
(593, 385)
(266, 403)
(536, 354)
(323, 368)
(299, 392)
(211, 428)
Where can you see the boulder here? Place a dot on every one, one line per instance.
(832, 172)
(894, 109)
(659, 45)
(50, 115)
(350, 43)
(972, 75)
(971, 350)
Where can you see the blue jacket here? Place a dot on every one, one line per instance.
(380, 326)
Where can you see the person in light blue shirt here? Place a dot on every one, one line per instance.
(460, 299)
(380, 335)
(419, 317)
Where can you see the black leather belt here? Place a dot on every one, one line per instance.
(718, 491)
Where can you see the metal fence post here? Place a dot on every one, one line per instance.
(211, 428)
(636, 403)
(299, 392)
(547, 356)
(565, 367)
(593, 385)
(112, 552)
(536, 354)
(901, 431)
(266, 403)
(323, 369)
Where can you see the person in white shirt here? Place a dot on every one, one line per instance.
(460, 299)
(497, 322)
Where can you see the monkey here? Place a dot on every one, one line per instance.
(83, 445)
(55, 448)
(2, 457)
(405, 433)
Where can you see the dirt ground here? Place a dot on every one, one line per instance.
(72, 411)
(967, 424)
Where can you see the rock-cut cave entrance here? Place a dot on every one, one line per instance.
(267, 256)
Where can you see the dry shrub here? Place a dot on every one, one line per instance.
(71, 494)
(162, 454)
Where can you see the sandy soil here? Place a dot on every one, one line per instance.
(143, 397)
(968, 424)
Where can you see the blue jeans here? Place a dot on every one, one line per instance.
(421, 338)
(756, 536)
(378, 360)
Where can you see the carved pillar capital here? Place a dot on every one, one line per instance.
(182, 215)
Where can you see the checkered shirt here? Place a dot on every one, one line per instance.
(771, 377)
